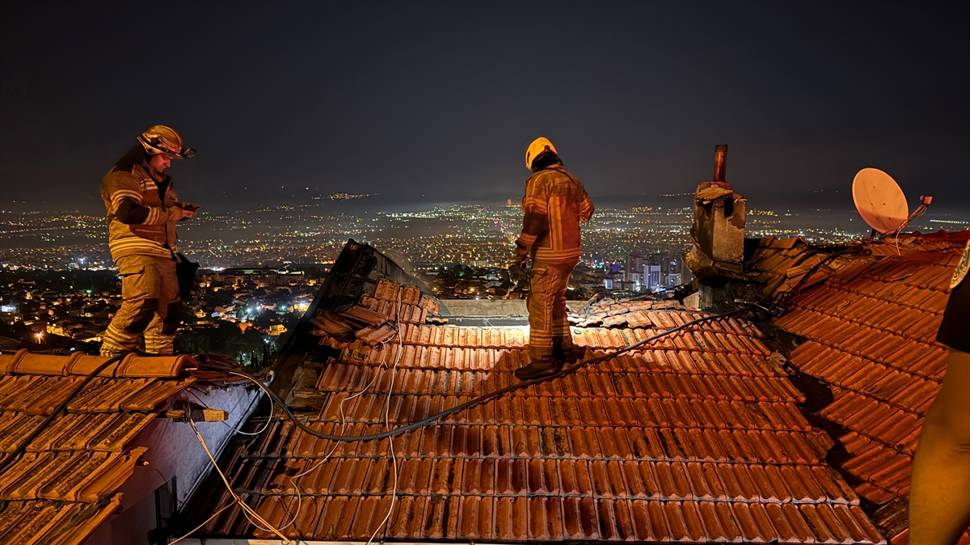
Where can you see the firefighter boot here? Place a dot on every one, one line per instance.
(539, 368)
(572, 355)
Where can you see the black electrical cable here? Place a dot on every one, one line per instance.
(524, 384)
(427, 421)
(12, 456)
(795, 291)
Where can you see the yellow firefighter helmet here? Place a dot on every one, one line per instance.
(162, 139)
(536, 148)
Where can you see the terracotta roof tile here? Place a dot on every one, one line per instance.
(132, 366)
(63, 484)
(663, 443)
(869, 331)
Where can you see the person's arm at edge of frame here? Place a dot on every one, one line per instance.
(939, 499)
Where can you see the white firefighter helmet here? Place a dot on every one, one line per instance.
(159, 139)
(536, 148)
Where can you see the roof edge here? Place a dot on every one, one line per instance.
(24, 362)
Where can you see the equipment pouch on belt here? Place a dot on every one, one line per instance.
(185, 271)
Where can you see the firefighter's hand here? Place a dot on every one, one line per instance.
(517, 267)
(178, 213)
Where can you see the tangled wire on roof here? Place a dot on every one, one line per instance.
(431, 419)
(228, 366)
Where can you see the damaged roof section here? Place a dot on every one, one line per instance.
(694, 438)
(372, 319)
(868, 331)
(339, 313)
(61, 473)
(784, 265)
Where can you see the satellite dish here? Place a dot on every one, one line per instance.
(881, 202)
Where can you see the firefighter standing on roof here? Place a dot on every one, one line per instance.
(554, 205)
(142, 210)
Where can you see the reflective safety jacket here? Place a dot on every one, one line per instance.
(554, 205)
(151, 233)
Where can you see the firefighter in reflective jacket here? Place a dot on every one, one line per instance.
(142, 210)
(554, 205)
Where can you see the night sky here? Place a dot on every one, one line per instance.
(436, 101)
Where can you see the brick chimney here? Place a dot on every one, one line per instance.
(718, 228)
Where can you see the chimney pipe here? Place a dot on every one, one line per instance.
(720, 162)
(718, 227)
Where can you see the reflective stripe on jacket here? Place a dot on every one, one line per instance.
(554, 205)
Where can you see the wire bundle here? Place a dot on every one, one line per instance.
(389, 433)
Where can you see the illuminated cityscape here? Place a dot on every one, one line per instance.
(434, 235)
(260, 266)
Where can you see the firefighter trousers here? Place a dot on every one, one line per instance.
(549, 335)
(150, 307)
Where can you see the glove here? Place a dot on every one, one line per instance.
(517, 267)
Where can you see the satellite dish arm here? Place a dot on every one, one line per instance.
(924, 202)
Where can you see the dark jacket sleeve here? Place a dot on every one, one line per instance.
(130, 212)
